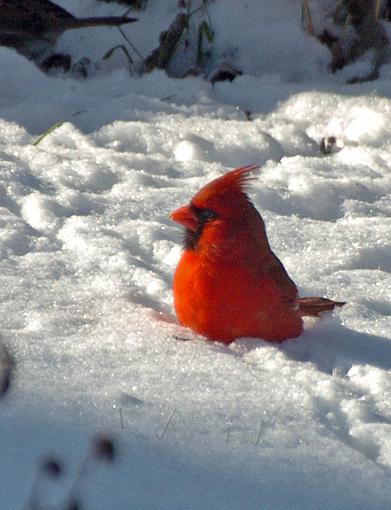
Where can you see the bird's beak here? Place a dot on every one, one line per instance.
(185, 217)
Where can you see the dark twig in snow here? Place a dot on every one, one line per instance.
(260, 433)
(160, 436)
(7, 369)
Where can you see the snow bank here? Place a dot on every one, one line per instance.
(87, 254)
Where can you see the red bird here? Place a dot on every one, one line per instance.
(229, 283)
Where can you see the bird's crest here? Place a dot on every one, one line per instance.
(231, 183)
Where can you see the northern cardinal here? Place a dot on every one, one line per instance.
(32, 27)
(229, 283)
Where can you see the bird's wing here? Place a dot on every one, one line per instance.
(275, 269)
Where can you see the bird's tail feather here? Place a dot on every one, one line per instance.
(314, 306)
(69, 24)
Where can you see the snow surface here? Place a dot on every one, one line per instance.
(87, 254)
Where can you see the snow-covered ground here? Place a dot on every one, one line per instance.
(87, 254)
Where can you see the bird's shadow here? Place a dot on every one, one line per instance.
(334, 348)
(330, 346)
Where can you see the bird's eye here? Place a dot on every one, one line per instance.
(207, 214)
(203, 214)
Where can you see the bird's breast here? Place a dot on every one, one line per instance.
(224, 300)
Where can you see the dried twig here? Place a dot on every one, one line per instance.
(169, 40)
(7, 370)
(160, 436)
(131, 45)
(260, 433)
(51, 468)
(49, 130)
(306, 13)
(378, 5)
(121, 47)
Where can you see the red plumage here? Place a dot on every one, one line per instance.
(228, 282)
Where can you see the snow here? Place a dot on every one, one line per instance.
(87, 255)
